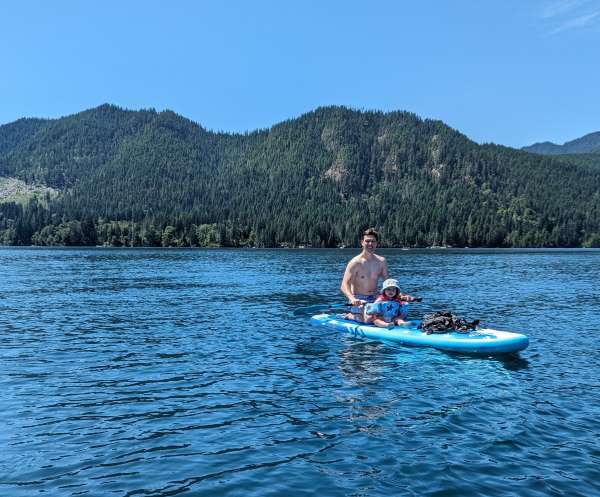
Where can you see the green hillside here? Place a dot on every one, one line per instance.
(156, 178)
(591, 161)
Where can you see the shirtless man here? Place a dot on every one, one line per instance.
(362, 274)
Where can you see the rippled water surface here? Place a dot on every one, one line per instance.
(184, 372)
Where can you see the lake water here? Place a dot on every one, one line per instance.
(184, 372)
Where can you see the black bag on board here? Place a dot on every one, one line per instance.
(446, 322)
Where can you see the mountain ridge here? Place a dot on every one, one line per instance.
(157, 178)
(589, 143)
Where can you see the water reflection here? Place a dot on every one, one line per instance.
(362, 363)
(511, 361)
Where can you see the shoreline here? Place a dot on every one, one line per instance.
(381, 249)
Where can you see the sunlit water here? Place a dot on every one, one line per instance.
(184, 372)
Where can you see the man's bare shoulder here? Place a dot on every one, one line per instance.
(380, 259)
(358, 259)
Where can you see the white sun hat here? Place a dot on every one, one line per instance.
(390, 283)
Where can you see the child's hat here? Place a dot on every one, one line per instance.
(390, 283)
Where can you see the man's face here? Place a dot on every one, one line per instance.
(369, 242)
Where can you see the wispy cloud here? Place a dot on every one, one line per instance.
(578, 22)
(564, 15)
(561, 7)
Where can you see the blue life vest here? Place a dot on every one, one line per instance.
(388, 309)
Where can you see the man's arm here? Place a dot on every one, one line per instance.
(384, 269)
(346, 283)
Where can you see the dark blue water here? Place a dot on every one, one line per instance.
(183, 372)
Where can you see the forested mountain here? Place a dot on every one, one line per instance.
(157, 179)
(591, 161)
(589, 143)
(13, 134)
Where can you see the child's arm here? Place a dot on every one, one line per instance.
(409, 298)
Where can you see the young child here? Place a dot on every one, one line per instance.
(390, 308)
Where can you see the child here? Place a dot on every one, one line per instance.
(390, 308)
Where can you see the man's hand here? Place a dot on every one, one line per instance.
(358, 302)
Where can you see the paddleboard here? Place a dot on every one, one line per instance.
(480, 341)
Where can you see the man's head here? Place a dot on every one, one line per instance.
(369, 239)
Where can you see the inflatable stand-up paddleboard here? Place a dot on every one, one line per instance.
(480, 341)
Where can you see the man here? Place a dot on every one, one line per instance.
(362, 274)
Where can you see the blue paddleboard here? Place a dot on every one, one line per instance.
(480, 341)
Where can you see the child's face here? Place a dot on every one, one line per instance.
(390, 292)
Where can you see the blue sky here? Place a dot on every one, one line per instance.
(507, 71)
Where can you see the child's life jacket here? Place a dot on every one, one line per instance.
(388, 308)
